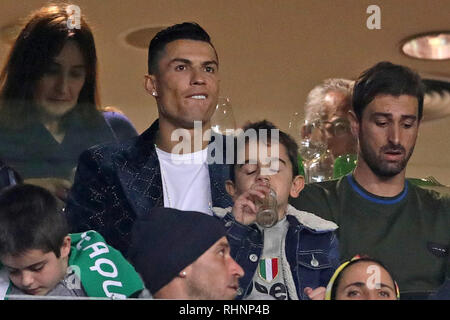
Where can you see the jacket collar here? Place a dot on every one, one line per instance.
(307, 219)
(310, 220)
(144, 147)
(143, 158)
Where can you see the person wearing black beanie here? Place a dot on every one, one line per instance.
(184, 255)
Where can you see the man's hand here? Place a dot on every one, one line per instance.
(245, 209)
(316, 294)
(59, 187)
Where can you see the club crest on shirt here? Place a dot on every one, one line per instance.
(268, 269)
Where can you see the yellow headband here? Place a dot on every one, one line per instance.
(339, 270)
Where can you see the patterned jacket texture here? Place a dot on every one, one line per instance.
(116, 183)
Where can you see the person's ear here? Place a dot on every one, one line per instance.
(354, 123)
(229, 186)
(150, 85)
(297, 185)
(65, 248)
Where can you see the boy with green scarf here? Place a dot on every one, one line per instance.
(39, 257)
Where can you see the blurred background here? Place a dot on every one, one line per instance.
(272, 53)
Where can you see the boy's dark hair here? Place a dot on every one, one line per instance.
(30, 219)
(389, 79)
(185, 30)
(286, 140)
(364, 258)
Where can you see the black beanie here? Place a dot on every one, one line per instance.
(167, 240)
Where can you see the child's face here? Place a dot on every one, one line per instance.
(275, 168)
(35, 272)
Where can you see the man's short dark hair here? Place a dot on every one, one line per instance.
(185, 30)
(386, 78)
(30, 219)
(286, 140)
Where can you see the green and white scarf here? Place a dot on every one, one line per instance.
(102, 270)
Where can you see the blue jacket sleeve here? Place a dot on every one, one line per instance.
(121, 126)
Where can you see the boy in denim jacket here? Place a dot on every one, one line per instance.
(296, 257)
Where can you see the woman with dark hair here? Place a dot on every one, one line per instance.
(362, 278)
(49, 109)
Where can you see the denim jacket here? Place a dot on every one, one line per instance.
(310, 249)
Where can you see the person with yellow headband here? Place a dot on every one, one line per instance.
(362, 278)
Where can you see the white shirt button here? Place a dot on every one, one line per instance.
(253, 257)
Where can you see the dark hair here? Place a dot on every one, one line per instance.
(362, 259)
(390, 79)
(30, 219)
(185, 30)
(39, 42)
(286, 140)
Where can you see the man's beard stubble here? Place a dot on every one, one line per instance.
(380, 167)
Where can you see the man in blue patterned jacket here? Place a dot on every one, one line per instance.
(116, 184)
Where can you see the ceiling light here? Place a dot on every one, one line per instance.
(430, 46)
(139, 38)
